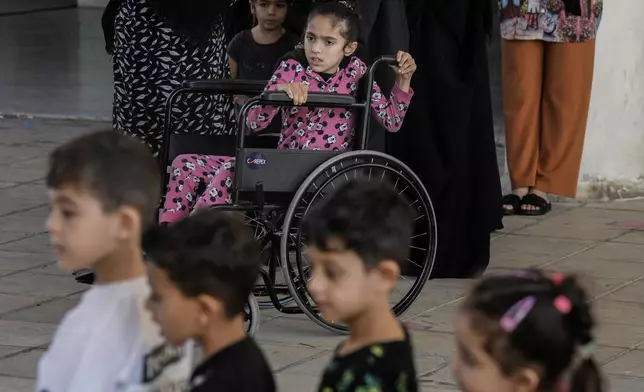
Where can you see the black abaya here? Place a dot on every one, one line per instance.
(448, 135)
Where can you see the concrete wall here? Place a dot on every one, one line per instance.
(92, 3)
(613, 160)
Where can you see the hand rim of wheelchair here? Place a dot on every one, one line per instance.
(428, 262)
(251, 315)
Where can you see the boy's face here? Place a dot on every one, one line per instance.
(324, 45)
(270, 14)
(80, 231)
(343, 288)
(179, 317)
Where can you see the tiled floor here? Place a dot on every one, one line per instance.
(604, 242)
(54, 63)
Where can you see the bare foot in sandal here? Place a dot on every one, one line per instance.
(535, 203)
(512, 201)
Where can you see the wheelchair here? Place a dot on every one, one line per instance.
(274, 191)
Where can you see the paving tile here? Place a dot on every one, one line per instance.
(605, 353)
(21, 365)
(518, 251)
(15, 384)
(297, 331)
(512, 224)
(436, 293)
(631, 293)
(24, 334)
(39, 285)
(627, 205)
(37, 244)
(625, 383)
(584, 224)
(618, 335)
(312, 368)
(631, 364)
(9, 350)
(49, 312)
(443, 376)
(619, 312)
(19, 261)
(9, 236)
(582, 265)
(613, 251)
(438, 320)
(282, 356)
(51, 268)
(291, 382)
(633, 237)
(29, 221)
(10, 303)
(600, 287)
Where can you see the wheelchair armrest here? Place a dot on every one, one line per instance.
(313, 99)
(227, 86)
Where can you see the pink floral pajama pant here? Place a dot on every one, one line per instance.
(197, 181)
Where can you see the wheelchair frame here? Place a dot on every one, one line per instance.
(277, 221)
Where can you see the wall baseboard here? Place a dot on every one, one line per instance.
(21, 6)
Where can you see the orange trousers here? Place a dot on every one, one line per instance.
(546, 96)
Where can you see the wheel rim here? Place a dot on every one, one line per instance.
(368, 165)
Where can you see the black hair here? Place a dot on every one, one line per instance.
(370, 218)
(555, 342)
(340, 12)
(208, 253)
(116, 169)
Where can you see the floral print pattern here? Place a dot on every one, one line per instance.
(548, 20)
(386, 367)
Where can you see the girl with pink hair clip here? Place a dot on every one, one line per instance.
(526, 333)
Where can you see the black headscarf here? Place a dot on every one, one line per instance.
(194, 19)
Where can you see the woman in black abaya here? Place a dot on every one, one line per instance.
(448, 135)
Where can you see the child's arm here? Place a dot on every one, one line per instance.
(260, 116)
(391, 112)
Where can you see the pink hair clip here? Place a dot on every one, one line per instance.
(563, 304)
(557, 278)
(515, 315)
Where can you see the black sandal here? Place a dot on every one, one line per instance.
(511, 200)
(541, 205)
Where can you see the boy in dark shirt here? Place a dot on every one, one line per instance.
(356, 241)
(202, 270)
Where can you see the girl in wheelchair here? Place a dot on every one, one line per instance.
(326, 64)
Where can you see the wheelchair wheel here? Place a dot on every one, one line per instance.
(269, 255)
(370, 166)
(251, 316)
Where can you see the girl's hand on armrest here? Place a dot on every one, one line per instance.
(404, 70)
(298, 92)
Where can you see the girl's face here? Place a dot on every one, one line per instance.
(476, 371)
(270, 14)
(324, 44)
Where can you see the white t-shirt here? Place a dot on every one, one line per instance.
(109, 343)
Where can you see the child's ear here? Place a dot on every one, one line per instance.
(350, 49)
(129, 222)
(528, 380)
(389, 272)
(210, 306)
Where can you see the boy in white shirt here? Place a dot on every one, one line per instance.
(103, 191)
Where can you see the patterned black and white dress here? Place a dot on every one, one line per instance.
(150, 61)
